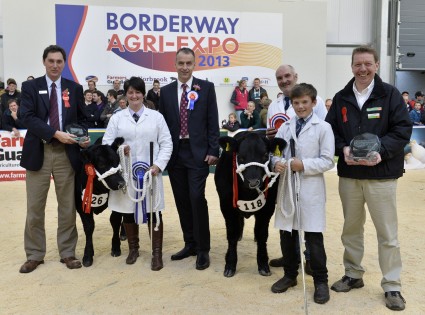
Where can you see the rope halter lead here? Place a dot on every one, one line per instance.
(260, 201)
(287, 175)
(132, 171)
(294, 207)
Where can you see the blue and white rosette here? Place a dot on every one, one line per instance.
(192, 97)
(138, 170)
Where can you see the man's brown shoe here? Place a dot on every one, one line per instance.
(30, 265)
(71, 262)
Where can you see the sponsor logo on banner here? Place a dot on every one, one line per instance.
(265, 81)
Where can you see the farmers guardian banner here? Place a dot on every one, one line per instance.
(108, 43)
(10, 156)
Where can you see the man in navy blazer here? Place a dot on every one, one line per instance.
(50, 151)
(194, 151)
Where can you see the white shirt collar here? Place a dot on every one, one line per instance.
(363, 96)
(366, 90)
(57, 82)
(307, 118)
(189, 84)
(139, 112)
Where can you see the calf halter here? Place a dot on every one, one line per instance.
(111, 171)
(260, 201)
(149, 181)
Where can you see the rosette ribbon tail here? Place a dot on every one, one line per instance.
(141, 205)
(88, 192)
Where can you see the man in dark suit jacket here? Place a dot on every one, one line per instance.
(154, 94)
(50, 151)
(255, 95)
(195, 147)
(94, 110)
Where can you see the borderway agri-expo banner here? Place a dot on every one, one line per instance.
(106, 43)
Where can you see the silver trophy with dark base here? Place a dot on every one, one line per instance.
(365, 147)
(79, 131)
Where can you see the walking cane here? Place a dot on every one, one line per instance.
(151, 197)
(300, 232)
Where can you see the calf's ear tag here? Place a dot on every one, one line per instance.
(227, 147)
(277, 151)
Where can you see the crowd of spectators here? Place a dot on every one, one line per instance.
(99, 108)
(415, 107)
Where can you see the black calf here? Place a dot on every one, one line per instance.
(241, 199)
(103, 158)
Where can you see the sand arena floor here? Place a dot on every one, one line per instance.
(112, 287)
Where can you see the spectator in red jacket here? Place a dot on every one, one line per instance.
(240, 98)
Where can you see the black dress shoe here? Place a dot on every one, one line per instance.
(283, 284)
(202, 260)
(277, 262)
(321, 293)
(187, 251)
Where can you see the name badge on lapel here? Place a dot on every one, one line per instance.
(42, 92)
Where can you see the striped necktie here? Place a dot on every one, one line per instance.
(300, 124)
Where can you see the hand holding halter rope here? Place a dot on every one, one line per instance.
(149, 181)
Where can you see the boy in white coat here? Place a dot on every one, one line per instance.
(314, 153)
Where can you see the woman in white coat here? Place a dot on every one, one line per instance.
(139, 126)
(314, 153)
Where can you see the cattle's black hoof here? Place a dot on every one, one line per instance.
(123, 234)
(116, 247)
(116, 252)
(229, 272)
(87, 261)
(264, 272)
